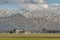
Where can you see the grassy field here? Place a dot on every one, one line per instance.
(29, 36)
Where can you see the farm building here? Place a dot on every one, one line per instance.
(29, 31)
(20, 31)
(37, 31)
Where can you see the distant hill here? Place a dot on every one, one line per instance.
(19, 21)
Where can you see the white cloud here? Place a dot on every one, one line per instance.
(27, 1)
(35, 6)
(55, 4)
(30, 4)
(44, 5)
(41, 1)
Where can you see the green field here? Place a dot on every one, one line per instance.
(29, 36)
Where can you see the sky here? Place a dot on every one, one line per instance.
(18, 4)
(9, 6)
(53, 1)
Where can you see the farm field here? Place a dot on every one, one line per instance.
(29, 36)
